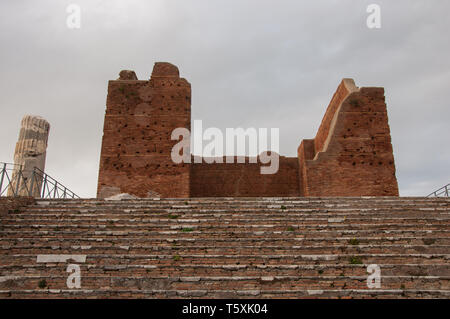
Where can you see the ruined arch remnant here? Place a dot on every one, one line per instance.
(351, 154)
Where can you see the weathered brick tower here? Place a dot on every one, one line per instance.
(351, 154)
(140, 117)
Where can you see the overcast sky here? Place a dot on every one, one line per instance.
(251, 63)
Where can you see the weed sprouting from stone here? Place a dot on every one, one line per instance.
(355, 260)
(42, 283)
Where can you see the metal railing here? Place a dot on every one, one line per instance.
(15, 181)
(441, 192)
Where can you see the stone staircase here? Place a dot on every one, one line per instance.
(227, 248)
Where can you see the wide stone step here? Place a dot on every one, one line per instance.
(235, 259)
(177, 219)
(221, 228)
(225, 294)
(239, 207)
(244, 250)
(43, 241)
(255, 235)
(286, 283)
(221, 269)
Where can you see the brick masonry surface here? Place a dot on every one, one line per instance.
(351, 154)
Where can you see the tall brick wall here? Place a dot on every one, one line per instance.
(140, 117)
(244, 179)
(351, 154)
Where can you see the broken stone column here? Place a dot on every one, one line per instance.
(30, 153)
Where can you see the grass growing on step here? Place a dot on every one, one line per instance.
(290, 228)
(283, 207)
(353, 241)
(173, 216)
(186, 203)
(355, 260)
(42, 283)
(187, 230)
(320, 271)
(176, 257)
(122, 89)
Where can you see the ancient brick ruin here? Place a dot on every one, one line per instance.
(351, 154)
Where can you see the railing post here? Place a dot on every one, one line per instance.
(54, 191)
(18, 181)
(44, 184)
(1, 178)
(33, 176)
(446, 190)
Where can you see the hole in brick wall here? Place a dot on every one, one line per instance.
(119, 144)
(345, 136)
(390, 163)
(380, 163)
(353, 163)
(126, 125)
(354, 123)
(148, 126)
(371, 164)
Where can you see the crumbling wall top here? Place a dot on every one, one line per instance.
(165, 69)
